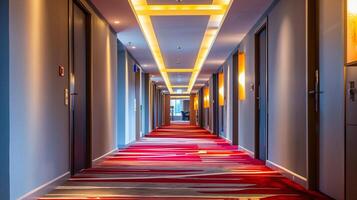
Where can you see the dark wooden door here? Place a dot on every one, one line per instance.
(79, 93)
(261, 94)
(351, 132)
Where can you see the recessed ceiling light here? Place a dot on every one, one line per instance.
(116, 22)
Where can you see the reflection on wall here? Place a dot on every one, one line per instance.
(351, 31)
(241, 75)
(206, 97)
(221, 88)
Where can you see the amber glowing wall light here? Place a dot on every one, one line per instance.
(205, 97)
(221, 89)
(351, 42)
(241, 76)
(195, 103)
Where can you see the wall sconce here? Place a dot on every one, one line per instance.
(351, 43)
(221, 89)
(241, 76)
(195, 102)
(205, 97)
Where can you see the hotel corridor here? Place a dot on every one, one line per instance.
(180, 162)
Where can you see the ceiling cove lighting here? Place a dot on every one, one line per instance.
(217, 12)
(179, 86)
(179, 97)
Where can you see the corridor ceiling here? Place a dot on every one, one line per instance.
(181, 42)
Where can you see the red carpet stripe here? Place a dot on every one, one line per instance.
(180, 162)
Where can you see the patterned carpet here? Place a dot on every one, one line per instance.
(180, 162)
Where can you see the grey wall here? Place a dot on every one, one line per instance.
(146, 103)
(39, 139)
(332, 100)
(121, 95)
(4, 100)
(104, 88)
(246, 107)
(130, 117)
(211, 107)
(287, 87)
(228, 93)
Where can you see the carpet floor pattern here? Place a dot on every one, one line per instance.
(180, 162)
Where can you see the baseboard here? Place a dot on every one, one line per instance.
(250, 153)
(209, 130)
(287, 173)
(126, 145)
(45, 188)
(99, 159)
(228, 140)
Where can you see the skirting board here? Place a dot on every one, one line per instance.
(126, 145)
(250, 153)
(287, 173)
(207, 129)
(97, 160)
(229, 141)
(45, 188)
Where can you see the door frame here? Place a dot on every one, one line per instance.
(235, 102)
(263, 26)
(313, 94)
(215, 105)
(88, 83)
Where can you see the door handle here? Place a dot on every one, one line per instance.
(352, 91)
(316, 91)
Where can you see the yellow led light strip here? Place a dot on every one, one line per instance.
(217, 12)
(178, 70)
(177, 10)
(179, 86)
(214, 25)
(179, 97)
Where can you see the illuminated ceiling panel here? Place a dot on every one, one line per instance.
(216, 11)
(180, 78)
(179, 41)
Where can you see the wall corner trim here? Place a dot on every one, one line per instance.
(288, 174)
(45, 188)
(100, 158)
(250, 153)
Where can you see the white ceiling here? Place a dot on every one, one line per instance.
(172, 32)
(184, 31)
